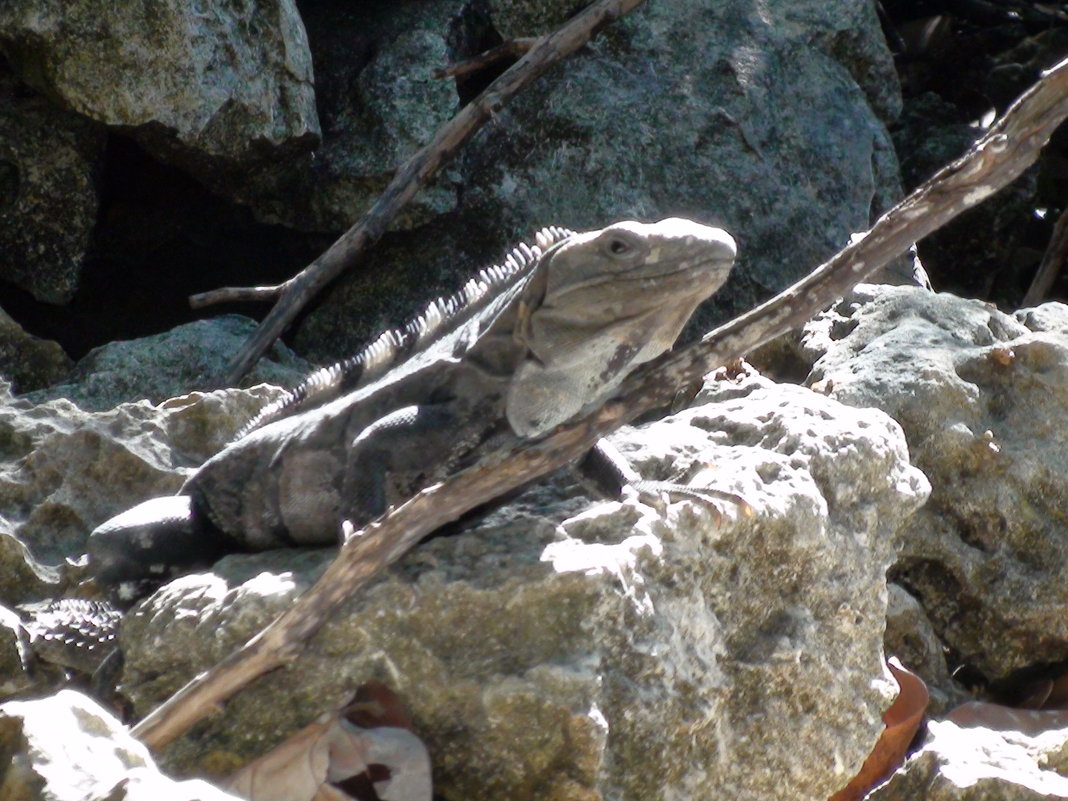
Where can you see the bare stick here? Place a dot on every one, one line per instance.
(1000, 156)
(414, 173)
(513, 48)
(1052, 263)
(229, 294)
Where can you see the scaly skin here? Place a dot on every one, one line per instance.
(553, 341)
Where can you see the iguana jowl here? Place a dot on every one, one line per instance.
(547, 336)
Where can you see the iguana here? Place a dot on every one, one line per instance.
(525, 346)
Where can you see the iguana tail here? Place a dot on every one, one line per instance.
(136, 551)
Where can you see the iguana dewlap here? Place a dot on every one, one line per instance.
(548, 335)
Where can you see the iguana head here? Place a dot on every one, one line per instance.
(602, 303)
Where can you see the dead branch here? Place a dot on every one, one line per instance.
(991, 163)
(229, 294)
(413, 174)
(513, 48)
(1052, 263)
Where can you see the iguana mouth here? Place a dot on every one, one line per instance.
(641, 275)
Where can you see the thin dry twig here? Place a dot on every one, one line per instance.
(413, 174)
(231, 294)
(513, 48)
(1052, 263)
(991, 163)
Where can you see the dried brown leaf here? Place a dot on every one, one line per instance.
(902, 720)
(333, 759)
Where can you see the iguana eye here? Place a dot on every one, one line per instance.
(617, 246)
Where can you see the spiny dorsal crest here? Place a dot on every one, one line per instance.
(439, 318)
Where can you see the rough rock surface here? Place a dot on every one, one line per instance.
(982, 397)
(220, 84)
(378, 103)
(29, 362)
(559, 649)
(966, 764)
(668, 112)
(26, 577)
(64, 471)
(68, 748)
(49, 160)
(166, 365)
(758, 104)
(515, 18)
(912, 639)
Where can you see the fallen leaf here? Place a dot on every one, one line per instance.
(902, 721)
(376, 705)
(365, 751)
(1045, 693)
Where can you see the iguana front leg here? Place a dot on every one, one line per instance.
(402, 452)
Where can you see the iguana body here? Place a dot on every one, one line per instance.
(553, 336)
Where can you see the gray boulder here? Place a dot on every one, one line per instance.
(186, 358)
(982, 397)
(568, 649)
(219, 85)
(49, 160)
(515, 18)
(29, 362)
(379, 103)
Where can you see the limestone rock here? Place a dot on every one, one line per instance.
(68, 748)
(166, 365)
(565, 649)
(25, 576)
(982, 397)
(63, 470)
(29, 362)
(964, 764)
(219, 85)
(48, 195)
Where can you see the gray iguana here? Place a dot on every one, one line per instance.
(523, 347)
